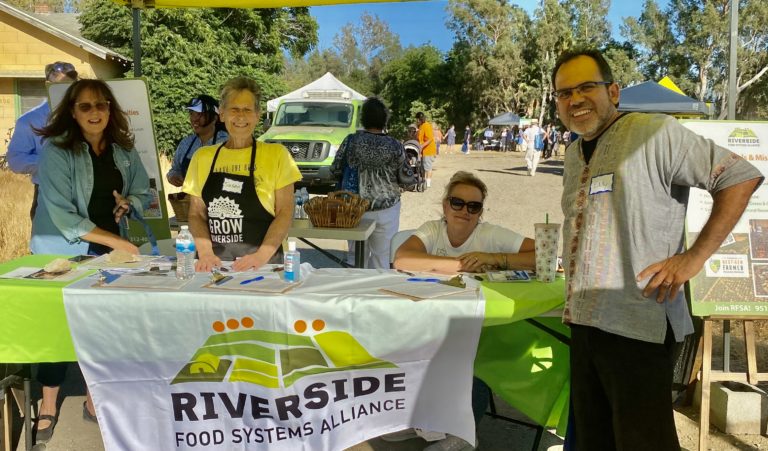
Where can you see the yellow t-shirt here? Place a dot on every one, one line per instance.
(426, 134)
(275, 169)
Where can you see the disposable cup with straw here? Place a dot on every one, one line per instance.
(547, 236)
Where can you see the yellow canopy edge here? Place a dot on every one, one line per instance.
(669, 84)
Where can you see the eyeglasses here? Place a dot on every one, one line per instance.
(85, 107)
(473, 207)
(583, 89)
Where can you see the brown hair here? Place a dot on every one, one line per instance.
(64, 130)
(465, 178)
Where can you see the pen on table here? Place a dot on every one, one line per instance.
(406, 272)
(421, 279)
(255, 279)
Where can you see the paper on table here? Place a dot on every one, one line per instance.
(158, 282)
(102, 262)
(422, 290)
(41, 274)
(269, 284)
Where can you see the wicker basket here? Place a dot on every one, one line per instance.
(341, 209)
(180, 204)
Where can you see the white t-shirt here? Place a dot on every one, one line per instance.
(485, 238)
(530, 135)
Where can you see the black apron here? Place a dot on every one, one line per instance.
(237, 222)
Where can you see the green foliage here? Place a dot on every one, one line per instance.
(186, 52)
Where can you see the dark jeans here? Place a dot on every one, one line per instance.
(621, 392)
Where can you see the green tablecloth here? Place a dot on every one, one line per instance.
(525, 365)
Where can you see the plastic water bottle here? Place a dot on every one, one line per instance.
(304, 201)
(297, 204)
(185, 254)
(292, 263)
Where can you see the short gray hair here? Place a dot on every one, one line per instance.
(238, 84)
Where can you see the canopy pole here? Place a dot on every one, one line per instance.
(136, 41)
(732, 64)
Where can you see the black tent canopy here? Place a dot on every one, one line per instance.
(651, 97)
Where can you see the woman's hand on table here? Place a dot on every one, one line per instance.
(126, 246)
(250, 261)
(207, 262)
(477, 261)
(122, 206)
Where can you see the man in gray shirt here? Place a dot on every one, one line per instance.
(626, 187)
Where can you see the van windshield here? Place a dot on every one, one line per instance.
(320, 114)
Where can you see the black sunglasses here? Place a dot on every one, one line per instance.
(85, 107)
(457, 204)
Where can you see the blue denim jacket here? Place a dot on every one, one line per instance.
(25, 146)
(66, 183)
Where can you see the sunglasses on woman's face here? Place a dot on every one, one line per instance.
(85, 107)
(457, 204)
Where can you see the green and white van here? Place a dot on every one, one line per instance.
(312, 128)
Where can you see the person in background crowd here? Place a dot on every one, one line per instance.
(90, 177)
(450, 139)
(503, 139)
(532, 154)
(243, 182)
(438, 137)
(466, 141)
(460, 242)
(428, 148)
(25, 146)
(366, 164)
(625, 190)
(204, 119)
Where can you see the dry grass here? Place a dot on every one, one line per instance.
(15, 226)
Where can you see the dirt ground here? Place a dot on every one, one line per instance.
(515, 201)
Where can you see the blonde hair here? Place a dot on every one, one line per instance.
(465, 178)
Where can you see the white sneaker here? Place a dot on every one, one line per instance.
(400, 436)
(451, 443)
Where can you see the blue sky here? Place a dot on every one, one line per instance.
(420, 23)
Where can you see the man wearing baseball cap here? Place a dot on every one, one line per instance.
(25, 146)
(204, 117)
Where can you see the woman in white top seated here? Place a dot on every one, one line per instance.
(459, 242)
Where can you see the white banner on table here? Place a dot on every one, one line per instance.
(324, 367)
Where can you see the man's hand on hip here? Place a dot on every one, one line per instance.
(669, 275)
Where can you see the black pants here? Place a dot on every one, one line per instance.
(34, 203)
(52, 374)
(621, 390)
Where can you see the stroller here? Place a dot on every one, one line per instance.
(413, 159)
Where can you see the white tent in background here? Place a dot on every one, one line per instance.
(326, 86)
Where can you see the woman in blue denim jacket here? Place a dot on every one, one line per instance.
(90, 177)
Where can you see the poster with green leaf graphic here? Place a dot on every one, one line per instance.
(734, 281)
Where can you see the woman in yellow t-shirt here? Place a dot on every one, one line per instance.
(241, 191)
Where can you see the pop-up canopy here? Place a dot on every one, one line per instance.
(507, 118)
(650, 97)
(323, 85)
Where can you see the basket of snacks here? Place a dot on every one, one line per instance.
(341, 209)
(180, 204)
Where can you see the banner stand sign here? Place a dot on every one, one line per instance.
(735, 279)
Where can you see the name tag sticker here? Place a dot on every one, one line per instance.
(601, 184)
(233, 186)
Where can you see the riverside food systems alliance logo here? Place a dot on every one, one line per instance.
(274, 360)
(743, 137)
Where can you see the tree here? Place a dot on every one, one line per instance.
(191, 51)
